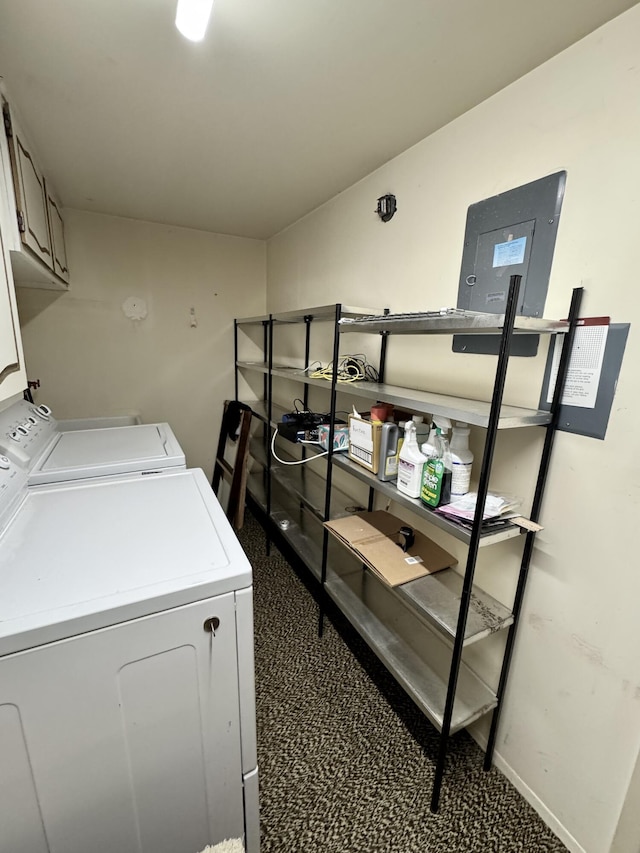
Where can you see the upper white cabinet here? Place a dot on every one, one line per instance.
(9, 361)
(56, 233)
(13, 378)
(34, 229)
(31, 196)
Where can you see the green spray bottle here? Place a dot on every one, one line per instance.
(437, 473)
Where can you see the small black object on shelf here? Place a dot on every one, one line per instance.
(408, 537)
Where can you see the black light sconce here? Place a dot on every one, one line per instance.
(386, 207)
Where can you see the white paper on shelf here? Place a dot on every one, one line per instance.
(585, 364)
(465, 507)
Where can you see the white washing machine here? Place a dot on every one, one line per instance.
(29, 435)
(127, 700)
(99, 422)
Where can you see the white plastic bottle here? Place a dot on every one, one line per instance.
(461, 460)
(428, 448)
(410, 464)
(422, 429)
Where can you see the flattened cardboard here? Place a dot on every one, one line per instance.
(526, 524)
(372, 536)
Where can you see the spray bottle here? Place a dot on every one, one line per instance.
(437, 474)
(428, 447)
(410, 464)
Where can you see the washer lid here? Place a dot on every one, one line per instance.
(80, 556)
(105, 452)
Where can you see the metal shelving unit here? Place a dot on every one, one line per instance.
(473, 412)
(419, 629)
(487, 537)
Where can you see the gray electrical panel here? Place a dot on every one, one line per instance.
(513, 233)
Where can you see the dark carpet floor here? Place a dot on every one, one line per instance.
(346, 759)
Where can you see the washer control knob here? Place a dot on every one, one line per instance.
(4, 463)
(22, 430)
(13, 435)
(43, 412)
(33, 421)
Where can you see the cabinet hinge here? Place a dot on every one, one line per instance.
(21, 226)
(6, 116)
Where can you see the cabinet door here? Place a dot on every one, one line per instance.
(9, 352)
(126, 738)
(31, 197)
(58, 247)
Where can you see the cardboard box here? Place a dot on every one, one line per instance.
(364, 442)
(372, 536)
(340, 437)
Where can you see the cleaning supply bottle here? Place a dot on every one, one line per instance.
(428, 447)
(388, 467)
(437, 474)
(410, 464)
(461, 460)
(422, 429)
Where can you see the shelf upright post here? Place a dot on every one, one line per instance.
(383, 363)
(235, 358)
(327, 496)
(307, 354)
(266, 428)
(483, 487)
(383, 352)
(265, 355)
(269, 341)
(305, 394)
(543, 471)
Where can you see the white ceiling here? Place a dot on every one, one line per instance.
(283, 105)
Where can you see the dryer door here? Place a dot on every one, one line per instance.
(126, 738)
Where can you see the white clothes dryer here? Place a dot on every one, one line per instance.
(127, 699)
(29, 434)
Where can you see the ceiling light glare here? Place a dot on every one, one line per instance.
(192, 17)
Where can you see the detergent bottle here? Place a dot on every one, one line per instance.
(410, 464)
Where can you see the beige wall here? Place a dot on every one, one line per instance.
(91, 360)
(571, 722)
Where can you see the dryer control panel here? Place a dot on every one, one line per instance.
(13, 482)
(26, 429)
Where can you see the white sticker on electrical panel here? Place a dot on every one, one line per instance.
(413, 560)
(509, 253)
(498, 296)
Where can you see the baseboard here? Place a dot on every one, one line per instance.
(534, 801)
